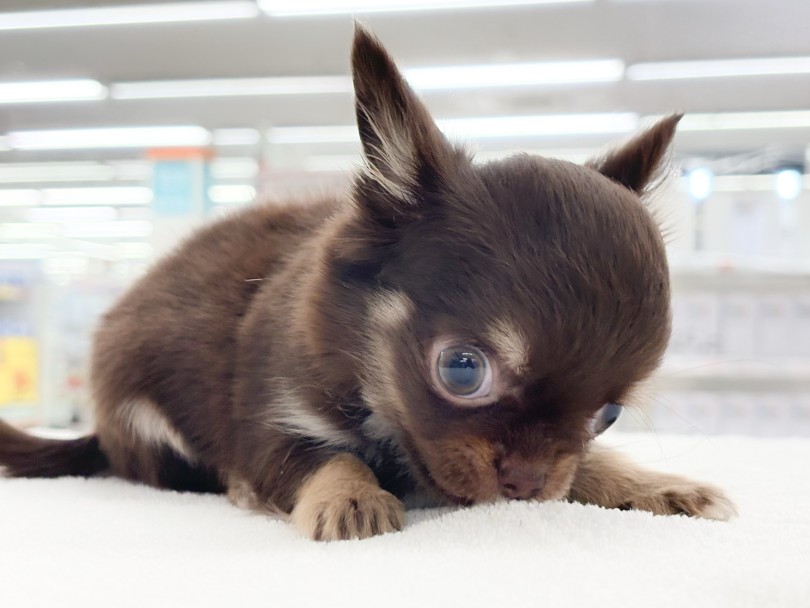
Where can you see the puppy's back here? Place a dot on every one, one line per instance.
(168, 347)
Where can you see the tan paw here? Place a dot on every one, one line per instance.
(342, 500)
(682, 497)
(359, 514)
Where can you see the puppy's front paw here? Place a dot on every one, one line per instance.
(673, 496)
(342, 500)
(607, 479)
(359, 513)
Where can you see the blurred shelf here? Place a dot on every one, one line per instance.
(708, 267)
(718, 373)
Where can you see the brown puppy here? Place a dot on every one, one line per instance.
(445, 333)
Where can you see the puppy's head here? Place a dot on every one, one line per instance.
(504, 305)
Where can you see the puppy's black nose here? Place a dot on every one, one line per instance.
(520, 480)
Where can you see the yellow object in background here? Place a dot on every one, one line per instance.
(18, 371)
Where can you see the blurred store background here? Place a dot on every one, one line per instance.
(125, 124)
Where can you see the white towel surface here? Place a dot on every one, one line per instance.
(103, 542)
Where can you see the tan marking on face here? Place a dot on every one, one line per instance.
(390, 310)
(342, 500)
(511, 345)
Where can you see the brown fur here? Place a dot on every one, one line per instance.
(287, 354)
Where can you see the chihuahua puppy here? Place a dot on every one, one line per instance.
(446, 333)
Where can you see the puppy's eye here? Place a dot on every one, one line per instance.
(464, 371)
(605, 417)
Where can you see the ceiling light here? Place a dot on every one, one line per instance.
(236, 137)
(745, 120)
(112, 137)
(479, 128)
(515, 74)
(71, 214)
(289, 8)
(306, 135)
(719, 68)
(422, 79)
(19, 197)
(540, 126)
(51, 91)
(225, 194)
(24, 251)
(234, 168)
(134, 251)
(231, 87)
(165, 12)
(700, 183)
(18, 173)
(131, 170)
(114, 195)
(26, 231)
(117, 230)
(788, 184)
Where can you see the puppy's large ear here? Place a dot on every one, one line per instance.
(404, 148)
(636, 163)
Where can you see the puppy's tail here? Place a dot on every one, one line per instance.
(23, 455)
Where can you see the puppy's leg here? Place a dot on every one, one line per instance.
(328, 497)
(607, 479)
(342, 499)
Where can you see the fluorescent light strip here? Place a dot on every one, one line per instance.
(299, 8)
(117, 230)
(51, 91)
(26, 231)
(226, 194)
(422, 79)
(71, 214)
(236, 137)
(114, 195)
(113, 137)
(134, 251)
(479, 128)
(24, 251)
(540, 126)
(730, 121)
(721, 68)
(231, 87)
(745, 183)
(307, 135)
(515, 74)
(234, 168)
(20, 173)
(20, 197)
(159, 12)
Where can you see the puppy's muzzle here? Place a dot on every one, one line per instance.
(520, 480)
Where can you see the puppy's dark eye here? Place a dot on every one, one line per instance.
(605, 417)
(464, 371)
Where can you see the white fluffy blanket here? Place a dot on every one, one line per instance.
(106, 543)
